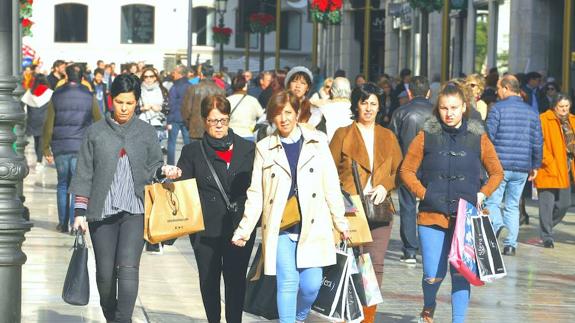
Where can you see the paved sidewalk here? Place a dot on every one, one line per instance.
(539, 288)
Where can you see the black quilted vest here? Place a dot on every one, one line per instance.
(451, 166)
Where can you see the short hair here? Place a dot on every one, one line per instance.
(182, 70)
(216, 101)
(419, 86)
(339, 73)
(362, 93)
(279, 101)
(560, 97)
(74, 73)
(58, 63)
(126, 83)
(404, 72)
(340, 88)
(264, 73)
(360, 76)
(453, 89)
(99, 61)
(512, 83)
(532, 76)
(99, 71)
(238, 83)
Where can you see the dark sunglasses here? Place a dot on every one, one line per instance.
(149, 76)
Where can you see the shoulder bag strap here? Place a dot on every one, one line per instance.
(215, 176)
(356, 179)
(237, 104)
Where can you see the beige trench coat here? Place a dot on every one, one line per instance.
(320, 200)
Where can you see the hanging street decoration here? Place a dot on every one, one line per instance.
(25, 14)
(221, 35)
(262, 23)
(326, 11)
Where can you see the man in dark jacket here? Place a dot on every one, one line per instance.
(193, 101)
(71, 111)
(406, 122)
(58, 73)
(515, 130)
(534, 96)
(174, 120)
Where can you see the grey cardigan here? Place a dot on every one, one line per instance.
(99, 155)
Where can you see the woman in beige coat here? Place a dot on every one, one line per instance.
(297, 254)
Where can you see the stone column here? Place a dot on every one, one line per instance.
(469, 50)
(20, 128)
(493, 21)
(13, 169)
(391, 45)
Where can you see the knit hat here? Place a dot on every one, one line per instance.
(297, 69)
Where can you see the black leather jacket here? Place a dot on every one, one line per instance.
(408, 120)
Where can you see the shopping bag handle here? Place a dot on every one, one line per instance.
(79, 240)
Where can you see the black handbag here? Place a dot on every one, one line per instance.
(261, 294)
(381, 214)
(76, 289)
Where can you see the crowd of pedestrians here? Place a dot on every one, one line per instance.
(292, 137)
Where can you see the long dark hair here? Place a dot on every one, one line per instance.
(39, 79)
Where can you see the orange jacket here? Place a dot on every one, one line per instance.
(553, 172)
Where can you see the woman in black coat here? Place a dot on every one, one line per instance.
(36, 99)
(232, 158)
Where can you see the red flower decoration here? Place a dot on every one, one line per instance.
(27, 23)
(335, 5)
(30, 1)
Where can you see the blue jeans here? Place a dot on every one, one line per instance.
(65, 169)
(435, 244)
(297, 288)
(509, 192)
(173, 136)
(408, 220)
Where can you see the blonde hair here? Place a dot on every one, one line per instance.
(477, 79)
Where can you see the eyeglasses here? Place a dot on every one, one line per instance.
(214, 122)
(551, 89)
(149, 76)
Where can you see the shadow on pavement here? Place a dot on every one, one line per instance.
(167, 317)
(53, 316)
(394, 318)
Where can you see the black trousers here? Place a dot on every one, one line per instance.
(118, 242)
(216, 256)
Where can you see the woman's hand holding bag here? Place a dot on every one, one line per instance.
(171, 172)
(80, 224)
(377, 194)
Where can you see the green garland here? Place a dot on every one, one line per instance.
(25, 14)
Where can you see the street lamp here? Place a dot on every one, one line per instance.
(221, 10)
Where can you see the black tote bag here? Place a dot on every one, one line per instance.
(261, 294)
(76, 289)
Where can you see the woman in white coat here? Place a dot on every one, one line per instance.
(294, 161)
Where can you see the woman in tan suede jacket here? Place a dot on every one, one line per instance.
(378, 155)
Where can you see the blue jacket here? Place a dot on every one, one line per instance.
(72, 106)
(176, 97)
(515, 130)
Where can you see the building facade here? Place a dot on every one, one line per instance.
(517, 36)
(156, 32)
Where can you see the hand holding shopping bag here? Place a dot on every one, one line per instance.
(76, 289)
(462, 253)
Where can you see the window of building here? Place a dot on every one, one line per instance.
(138, 24)
(203, 19)
(71, 23)
(240, 32)
(290, 37)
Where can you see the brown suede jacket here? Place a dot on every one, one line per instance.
(413, 160)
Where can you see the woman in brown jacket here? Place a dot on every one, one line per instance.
(558, 169)
(448, 154)
(377, 154)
